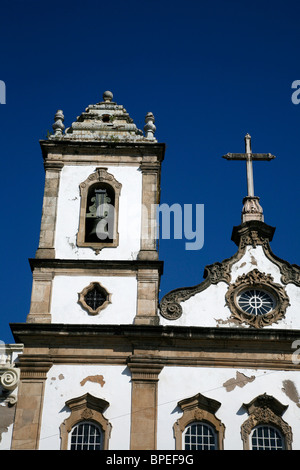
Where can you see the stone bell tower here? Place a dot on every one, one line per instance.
(97, 260)
(102, 186)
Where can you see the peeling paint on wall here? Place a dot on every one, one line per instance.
(290, 390)
(93, 378)
(239, 381)
(7, 414)
(253, 261)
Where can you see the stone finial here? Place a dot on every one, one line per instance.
(58, 125)
(252, 210)
(107, 96)
(149, 127)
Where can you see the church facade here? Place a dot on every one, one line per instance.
(101, 362)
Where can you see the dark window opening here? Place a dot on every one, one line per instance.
(99, 226)
(95, 297)
(86, 436)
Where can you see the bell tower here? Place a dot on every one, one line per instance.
(98, 223)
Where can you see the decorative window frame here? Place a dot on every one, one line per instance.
(99, 176)
(89, 423)
(198, 409)
(258, 280)
(86, 408)
(82, 294)
(265, 410)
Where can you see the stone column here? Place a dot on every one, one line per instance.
(47, 234)
(28, 416)
(144, 376)
(150, 198)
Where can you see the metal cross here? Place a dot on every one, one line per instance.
(249, 157)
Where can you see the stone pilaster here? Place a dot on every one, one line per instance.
(147, 297)
(144, 377)
(47, 233)
(150, 199)
(40, 298)
(28, 416)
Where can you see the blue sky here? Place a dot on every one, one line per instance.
(209, 71)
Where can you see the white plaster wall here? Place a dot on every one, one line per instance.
(208, 308)
(66, 309)
(6, 436)
(63, 383)
(68, 210)
(177, 383)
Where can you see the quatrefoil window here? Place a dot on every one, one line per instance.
(94, 298)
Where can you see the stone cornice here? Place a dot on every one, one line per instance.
(150, 331)
(156, 344)
(253, 232)
(74, 150)
(95, 264)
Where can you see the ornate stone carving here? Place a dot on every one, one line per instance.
(105, 121)
(86, 407)
(149, 127)
(170, 307)
(9, 380)
(10, 377)
(252, 210)
(265, 409)
(290, 274)
(198, 408)
(256, 279)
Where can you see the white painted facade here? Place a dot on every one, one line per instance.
(177, 383)
(130, 206)
(66, 381)
(65, 307)
(208, 308)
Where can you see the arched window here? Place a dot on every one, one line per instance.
(265, 428)
(99, 211)
(86, 436)
(266, 438)
(200, 436)
(86, 428)
(199, 428)
(99, 214)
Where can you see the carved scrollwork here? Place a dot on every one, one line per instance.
(9, 378)
(256, 279)
(170, 307)
(265, 409)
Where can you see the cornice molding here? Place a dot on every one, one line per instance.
(75, 264)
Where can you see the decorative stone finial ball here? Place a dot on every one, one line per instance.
(107, 96)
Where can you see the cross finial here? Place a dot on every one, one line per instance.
(252, 210)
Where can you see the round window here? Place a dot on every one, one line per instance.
(256, 301)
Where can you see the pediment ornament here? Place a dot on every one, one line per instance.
(257, 283)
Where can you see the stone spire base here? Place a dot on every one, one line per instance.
(252, 210)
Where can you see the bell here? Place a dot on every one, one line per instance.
(97, 230)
